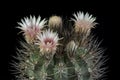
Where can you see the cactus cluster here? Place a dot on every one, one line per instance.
(58, 49)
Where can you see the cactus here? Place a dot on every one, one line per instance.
(59, 49)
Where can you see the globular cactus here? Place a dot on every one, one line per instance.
(59, 50)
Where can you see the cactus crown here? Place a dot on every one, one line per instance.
(59, 50)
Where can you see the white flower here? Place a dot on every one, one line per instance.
(48, 41)
(31, 27)
(83, 21)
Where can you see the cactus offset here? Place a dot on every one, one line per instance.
(59, 50)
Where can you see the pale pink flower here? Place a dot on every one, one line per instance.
(48, 41)
(83, 21)
(31, 27)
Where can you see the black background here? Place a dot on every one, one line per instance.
(105, 12)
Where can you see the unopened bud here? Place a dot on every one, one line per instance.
(55, 21)
(71, 46)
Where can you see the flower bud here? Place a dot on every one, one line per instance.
(71, 48)
(55, 21)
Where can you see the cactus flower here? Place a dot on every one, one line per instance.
(83, 21)
(48, 41)
(31, 27)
